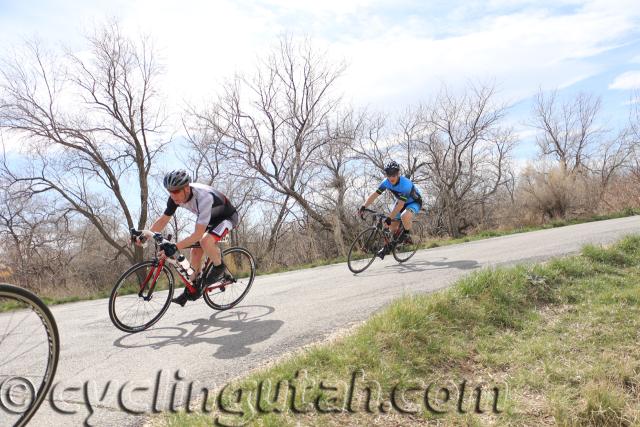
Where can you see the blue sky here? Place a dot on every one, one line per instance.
(398, 52)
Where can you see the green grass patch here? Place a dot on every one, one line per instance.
(552, 344)
(9, 305)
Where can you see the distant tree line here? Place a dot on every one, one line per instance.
(95, 138)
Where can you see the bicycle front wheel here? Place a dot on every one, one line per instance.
(240, 270)
(30, 349)
(141, 296)
(363, 250)
(403, 251)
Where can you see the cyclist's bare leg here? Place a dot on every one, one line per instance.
(407, 219)
(210, 246)
(196, 261)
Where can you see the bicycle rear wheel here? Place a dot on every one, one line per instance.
(30, 349)
(363, 250)
(240, 270)
(402, 252)
(141, 296)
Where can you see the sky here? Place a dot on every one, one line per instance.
(397, 52)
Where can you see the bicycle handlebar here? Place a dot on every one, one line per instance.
(144, 235)
(375, 213)
(378, 215)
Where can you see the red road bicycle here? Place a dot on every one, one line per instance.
(143, 293)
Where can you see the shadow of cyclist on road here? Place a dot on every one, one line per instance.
(415, 266)
(232, 331)
(442, 264)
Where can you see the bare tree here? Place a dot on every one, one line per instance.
(372, 142)
(376, 142)
(36, 241)
(612, 158)
(568, 130)
(93, 124)
(466, 152)
(413, 130)
(336, 161)
(273, 127)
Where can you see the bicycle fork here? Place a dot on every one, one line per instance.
(155, 272)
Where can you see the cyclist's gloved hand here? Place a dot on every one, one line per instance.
(387, 220)
(361, 210)
(169, 248)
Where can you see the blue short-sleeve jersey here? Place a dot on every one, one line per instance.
(404, 190)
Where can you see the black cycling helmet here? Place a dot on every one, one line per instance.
(392, 168)
(176, 179)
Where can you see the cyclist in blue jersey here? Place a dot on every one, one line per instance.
(408, 202)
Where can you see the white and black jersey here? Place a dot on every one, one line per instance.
(210, 206)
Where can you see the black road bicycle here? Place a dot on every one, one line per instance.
(30, 349)
(371, 240)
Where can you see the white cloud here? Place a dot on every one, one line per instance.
(521, 51)
(396, 52)
(628, 80)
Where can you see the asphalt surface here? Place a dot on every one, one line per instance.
(103, 369)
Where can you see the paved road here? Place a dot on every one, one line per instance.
(281, 313)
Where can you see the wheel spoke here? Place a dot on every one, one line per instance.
(240, 268)
(363, 249)
(404, 251)
(132, 313)
(30, 346)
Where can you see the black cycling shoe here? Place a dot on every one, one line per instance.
(182, 299)
(405, 239)
(215, 273)
(382, 252)
(199, 287)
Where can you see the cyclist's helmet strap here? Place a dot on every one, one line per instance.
(176, 179)
(391, 168)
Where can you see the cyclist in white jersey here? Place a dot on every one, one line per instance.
(216, 216)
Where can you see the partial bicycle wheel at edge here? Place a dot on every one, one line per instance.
(363, 250)
(30, 349)
(240, 270)
(132, 313)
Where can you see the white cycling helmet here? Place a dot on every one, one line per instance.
(176, 180)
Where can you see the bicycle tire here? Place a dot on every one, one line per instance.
(241, 266)
(124, 325)
(28, 300)
(369, 246)
(417, 237)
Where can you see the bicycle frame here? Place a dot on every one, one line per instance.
(386, 231)
(160, 263)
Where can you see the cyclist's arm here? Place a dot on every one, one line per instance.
(381, 189)
(193, 238)
(371, 199)
(160, 224)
